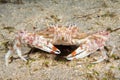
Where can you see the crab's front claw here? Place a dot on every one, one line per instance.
(81, 53)
(51, 49)
(78, 53)
(55, 50)
(43, 44)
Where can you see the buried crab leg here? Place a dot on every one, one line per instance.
(33, 40)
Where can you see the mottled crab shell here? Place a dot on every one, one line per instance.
(62, 35)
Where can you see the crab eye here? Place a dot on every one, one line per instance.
(21, 32)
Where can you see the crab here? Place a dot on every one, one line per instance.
(60, 35)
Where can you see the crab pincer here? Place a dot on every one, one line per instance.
(89, 45)
(32, 39)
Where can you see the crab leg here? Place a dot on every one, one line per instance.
(17, 48)
(82, 51)
(41, 43)
(103, 57)
(7, 56)
(78, 53)
(11, 50)
(89, 45)
(33, 40)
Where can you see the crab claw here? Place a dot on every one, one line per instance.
(81, 53)
(33, 40)
(78, 53)
(41, 43)
(50, 48)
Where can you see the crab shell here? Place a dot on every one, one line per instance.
(62, 35)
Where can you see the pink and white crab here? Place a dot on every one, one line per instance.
(60, 35)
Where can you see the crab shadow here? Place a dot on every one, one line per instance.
(65, 50)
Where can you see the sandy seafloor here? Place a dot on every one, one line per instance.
(89, 15)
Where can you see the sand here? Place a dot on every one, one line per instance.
(89, 15)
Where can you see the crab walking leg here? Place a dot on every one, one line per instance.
(7, 56)
(17, 48)
(112, 51)
(103, 57)
(18, 51)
